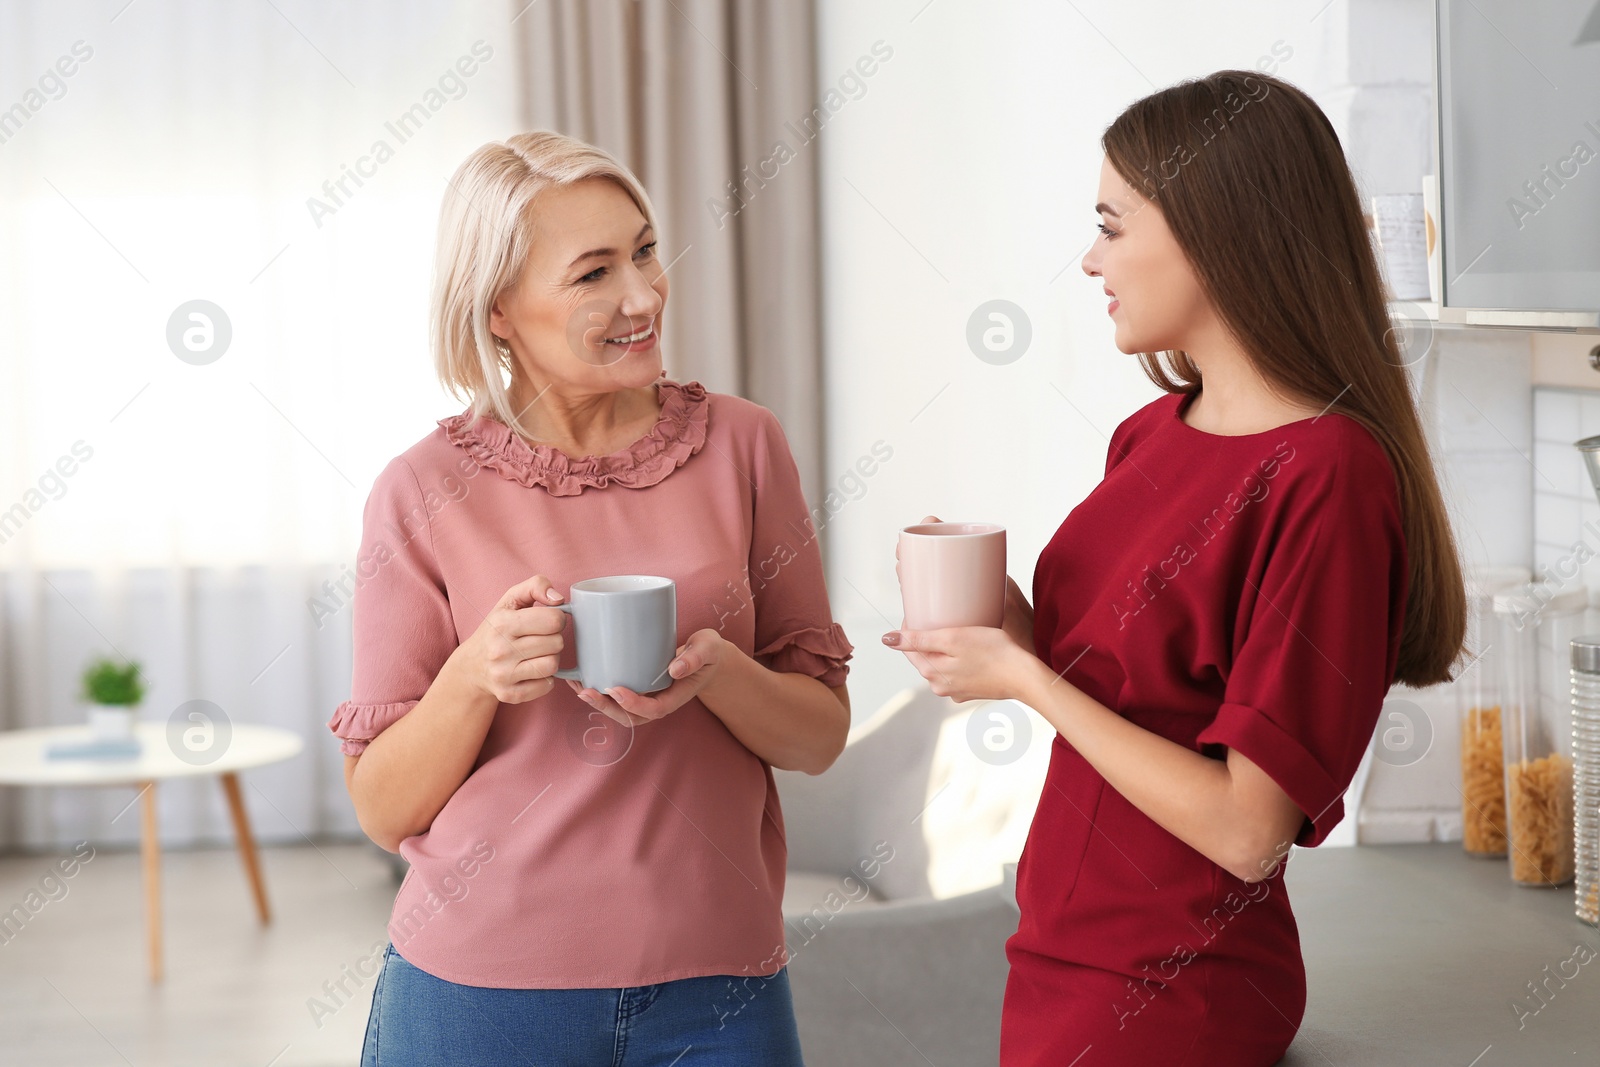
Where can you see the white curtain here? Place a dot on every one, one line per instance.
(284, 163)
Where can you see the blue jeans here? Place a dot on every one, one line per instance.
(419, 1020)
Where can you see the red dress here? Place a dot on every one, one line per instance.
(1226, 593)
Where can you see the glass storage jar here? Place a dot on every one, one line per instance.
(1536, 625)
(1477, 690)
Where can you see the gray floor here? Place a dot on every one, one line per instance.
(1414, 954)
(73, 985)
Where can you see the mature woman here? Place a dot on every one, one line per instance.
(1214, 627)
(595, 877)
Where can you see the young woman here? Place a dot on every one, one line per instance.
(595, 877)
(1214, 628)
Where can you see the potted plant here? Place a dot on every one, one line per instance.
(113, 692)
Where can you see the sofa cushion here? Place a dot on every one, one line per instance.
(807, 892)
(980, 811)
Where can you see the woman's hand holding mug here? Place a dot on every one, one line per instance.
(516, 650)
(692, 669)
(967, 662)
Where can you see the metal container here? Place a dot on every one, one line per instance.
(1586, 776)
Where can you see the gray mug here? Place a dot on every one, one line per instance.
(626, 628)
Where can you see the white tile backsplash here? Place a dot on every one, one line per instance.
(1546, 554)
(1555, 516)
(1560, 463)
(1588, 412)
(1563, 501)
(1590, 572)
(1555, 415)
(1489, 495)
(1589, 505)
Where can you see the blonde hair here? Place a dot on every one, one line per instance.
(485, 238)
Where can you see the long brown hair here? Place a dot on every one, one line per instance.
(1253, 183)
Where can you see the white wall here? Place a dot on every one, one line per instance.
(967, 171)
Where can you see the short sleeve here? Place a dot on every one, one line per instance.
(403, 629)
(1129, 431)
(1318, 643)
(794, 627)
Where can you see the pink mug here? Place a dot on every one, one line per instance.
(953, 574)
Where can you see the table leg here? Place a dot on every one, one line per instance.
(150, 854)
(247, 844)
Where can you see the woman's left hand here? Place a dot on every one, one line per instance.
(967, 662)
(692, 669)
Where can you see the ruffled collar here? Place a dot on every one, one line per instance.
(677, 435)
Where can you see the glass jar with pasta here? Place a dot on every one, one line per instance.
(1536, 625)
(1477, 691)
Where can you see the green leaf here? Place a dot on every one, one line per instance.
(105, 681)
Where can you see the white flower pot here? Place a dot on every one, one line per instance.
(108, 722)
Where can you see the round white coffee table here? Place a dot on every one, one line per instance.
(23, 762)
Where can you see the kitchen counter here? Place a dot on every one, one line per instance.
(1416, 954)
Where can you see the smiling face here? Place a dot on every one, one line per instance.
(586, 311)
(1154, 298)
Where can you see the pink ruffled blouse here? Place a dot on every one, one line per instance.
(579, 853)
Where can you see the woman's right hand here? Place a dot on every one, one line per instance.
(514, 653)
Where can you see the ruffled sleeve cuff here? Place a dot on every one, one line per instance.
(357, 724)
(823, 653)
